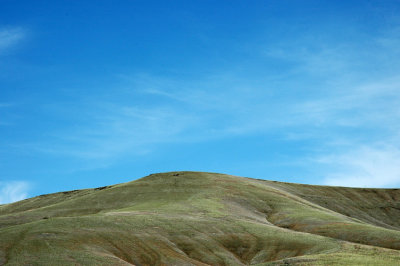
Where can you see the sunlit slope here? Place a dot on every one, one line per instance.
(201, 218)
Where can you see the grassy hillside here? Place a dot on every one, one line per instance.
(194, 218)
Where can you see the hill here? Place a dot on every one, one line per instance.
(196, 218)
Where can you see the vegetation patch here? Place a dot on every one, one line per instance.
(193, 218)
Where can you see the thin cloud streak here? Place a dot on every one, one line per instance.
(364, 167)
(116, 129)
(357, 106)
(5, 105)
(338, 95)
(12, 191)
(9, 37)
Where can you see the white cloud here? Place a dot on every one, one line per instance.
(13, 191)
(364, 167)
(355, 105)
(115, 130)
(295, 104)
(9, 37)
(216, 107)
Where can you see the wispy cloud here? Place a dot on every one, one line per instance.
(216, 107)
(116, 130)
(332, 93)
(3, 105)
(11, 191)
(354, 112)
(364, 167)
(338, 58)
(371, 104)
(9, 37)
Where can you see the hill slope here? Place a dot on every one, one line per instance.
(194, 218)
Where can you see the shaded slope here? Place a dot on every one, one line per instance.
(380, 207)
(192, 218)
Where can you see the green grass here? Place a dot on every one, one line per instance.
(193, 218)
(347, 255)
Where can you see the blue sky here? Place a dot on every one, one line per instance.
(94, 93)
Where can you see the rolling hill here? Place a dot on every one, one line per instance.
(196, 218)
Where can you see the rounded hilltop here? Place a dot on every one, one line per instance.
(187, 175)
